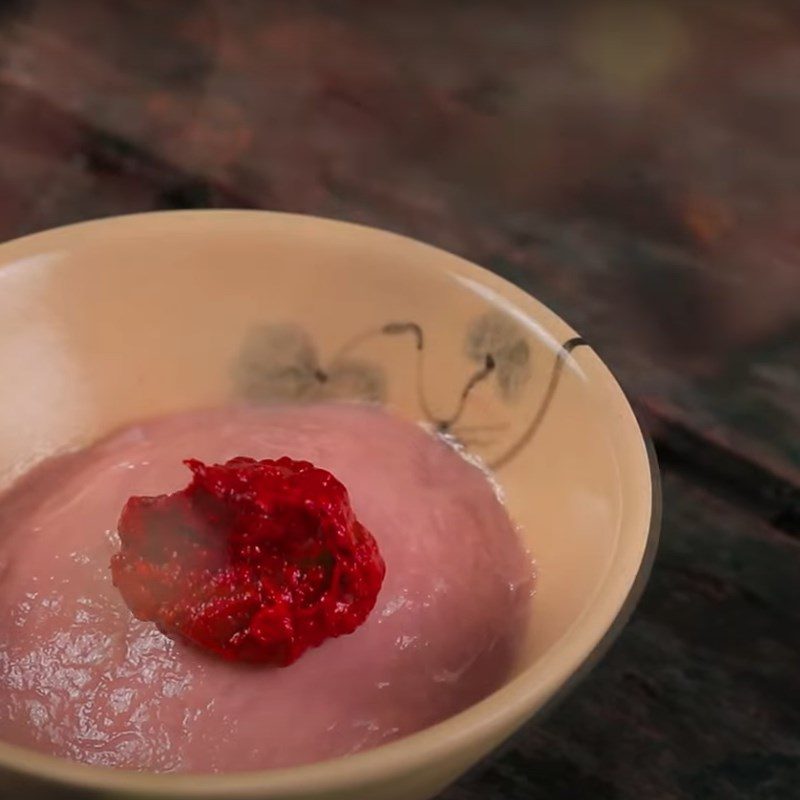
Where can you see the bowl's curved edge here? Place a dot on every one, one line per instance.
(631, 601)
(614, 632)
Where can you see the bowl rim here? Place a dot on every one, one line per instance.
(522, 698)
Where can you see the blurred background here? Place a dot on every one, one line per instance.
(635, 165)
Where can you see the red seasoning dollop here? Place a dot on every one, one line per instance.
(253, 560)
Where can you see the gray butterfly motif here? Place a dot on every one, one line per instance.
(496, 339)
(279, 363)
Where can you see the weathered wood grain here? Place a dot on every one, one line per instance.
(636, 166)
(700, 696)
(59, 169)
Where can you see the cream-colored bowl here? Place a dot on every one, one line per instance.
(107, 322)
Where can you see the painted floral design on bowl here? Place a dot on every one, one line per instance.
(281, 363)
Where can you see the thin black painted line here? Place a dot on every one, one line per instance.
(558, 367)
(395, 328)
(477, 377)
(354, 341)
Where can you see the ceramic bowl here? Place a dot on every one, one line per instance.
(108, 322)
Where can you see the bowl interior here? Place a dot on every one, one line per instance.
(105, 323)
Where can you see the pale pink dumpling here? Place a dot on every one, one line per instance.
(81, 678)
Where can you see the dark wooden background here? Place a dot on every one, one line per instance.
(635, 165)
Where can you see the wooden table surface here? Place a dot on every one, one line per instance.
(635, 165)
